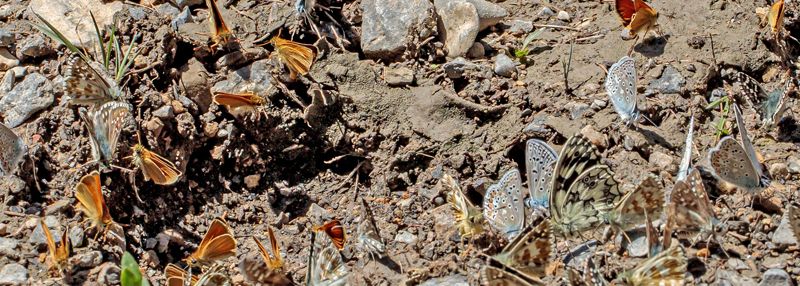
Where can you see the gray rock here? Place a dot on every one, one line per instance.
(255, 78)
(13, 274)
(169, 10)
(776, 277)
(182, 18)
(638, 246)
(164, 112)
(775, 262)
(671, 82)
(72, 18)
(476, 50)
(563, 16)
(37, 237)
(489, 13)
(661, 160)
(405, 237)
(732, 278)
(519, 27)
(195, 78)
(580, 250)
(316, 211)
(88, 260)
(137, 13)
(389, 26)
(504, 66)
(185, 3)
(7, 60)
(783, 236)
(457, 67)
(794, 165)
(537, 128)
(76, 236)
(576, 109)
(7, 38)
(458, 27)
(33, 94)
(163, 242)
(8, 247)
(399, 77)
(34, 46)
(546, 12)
(449, 280)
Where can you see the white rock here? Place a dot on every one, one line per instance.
(7, 60)
(13, 274)
(458, 27)
(66, 15)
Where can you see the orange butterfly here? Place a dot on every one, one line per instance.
(636, 16)
(177, 276)
(216, 245)
(775, 16)
(221, 33)
(247, 101)
(298, 57)
(93, 205)
(58, 253)
(335, 231)
(276, 264)
(154, 167)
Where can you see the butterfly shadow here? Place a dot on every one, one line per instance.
(651, 47)
(653, 137)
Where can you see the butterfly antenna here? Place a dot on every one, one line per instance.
(651, 121)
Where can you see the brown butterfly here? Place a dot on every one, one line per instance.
(220, 32)
(531, 252)
(335, 231)
(775, 17)
(667, 268)
(276, 264)
(177, 276)
(237, 100)
(591, 275)
(155, 167)
(636, 16)
(469, 220)
(257, 271)
(93, 205)
(794, 219)
(493, 276)
(298, 57)
(216, 245)
(58, 253)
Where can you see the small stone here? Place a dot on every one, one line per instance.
(519, 27)
(661, 160)
(597, 138)
(163, 242)
(476, 50)
(151, 258)
(7, 38)
(774, 262)
(165, 112)
(252, 181)
(316, 211)
(88, 260)
(488, 12)
(76, 236)
(794, 165)
(399, 77)
(449, 280)
(150, 243)
(34, 46)
(407, 238)
(563, 16)
(779, 170)
(195, 79)
(576, 109)
(168, 10)
(8, 247)
(174, 237)
(216, 154)
(671, 82)
(185, 124)
(546, 12)
(13, 274)
(732, 278)
(456, 68)
(32, 95)
(182, 18)
(388, 27)
(283, 218)
(504, 66)
(773, 277)
(7, 60)
(56, 207)
(460, 24)
(639, 245)
(155, 126)
(37, 236)
(186, 3)
(784, 235)
(3, 229)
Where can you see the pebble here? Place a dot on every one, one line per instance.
(732, 278)
(184, 17)
(37, 236)
(783, 235)
(456, 68)
(661, 160)
(7, 38)
(33, 94)
(776, 277)
(76, 236)
(252, 181)
(163, 242)
(168, 10)
(671, 82)
(389, 26)
(779, 170)
(35, 46)
(576, 109)
(8, 247)
(57, 207)
(597, 138)
(155, 125)
(88, 259)
(399, 77)
(460, 24)
(449, 280)
(72, 17)
(488, 12)
(165, 112)
(504, 66)
(546, 12)
(13, 274)
(7, 60)
(150, 243)
(186, 3)
(3, 229)
(563, 16)
(476, 50)
(407, 238)
(638, 247)
(195, 79)
(519, 27)
(794, 165)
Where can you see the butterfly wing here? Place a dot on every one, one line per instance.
(667, 268)
(773, 108)
(503, 204)
(493, 276)
(221, 33)
(625, 10)
(530, 253)
(645, 199)
(85, 86)
(176, 276)
(297, 57)
(644, 19)
(87, 192)
(328, 268)
(11, 149)
(468, 218)
(621, 88)
(582, 207)
(775, 16)
(259, 272)
(540, 160)
(748, 146)
(577, 155)
(105, 125)
(155, 167)
(368, 233)
(235, 100)
(730, 162)
(690, 210)
(686, 161)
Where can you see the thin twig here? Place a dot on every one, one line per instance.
(555, 27)
(474, 106)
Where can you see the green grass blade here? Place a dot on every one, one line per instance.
(53, 33)
(532, 36)
(99, 40)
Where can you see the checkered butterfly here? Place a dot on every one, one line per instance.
(368, 233)
(583, 190)
(85, 86)
(771, 105)
(105, 124)
(646, 199)
(667, 269)
(591, 275)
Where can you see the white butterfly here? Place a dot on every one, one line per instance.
(503, 205)
(737, 163)
(540, 161)
(368, 233)
(85, 86)
(12, 148)
(468, 219)
(686, 161)
(325, 267)
(621, 88)
(105, 125)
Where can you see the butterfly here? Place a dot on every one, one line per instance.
(621, 88)
(774, 18)
(583, 190)
(737, 163)
(686, 161)
(276, 264)
(85, 86)
(636, 16)
(246, 101)
(91, 202)
(591, 275)
(259, 272)
(540, 160)
(220, 32)
(503, 204)
(646, 199)
(59, 253)
(531, 253)
(493, 276)
(214, 277)
(11, 150)
(335, 232)
(298, 57)
(368, 233)
(689, 211)
(654, 246)
(667, 268)
(468, 219)
(218, 244)
(177, 276)
(771, 105)
(155, 167)
(794, 219)
(324, 267)
(775, 105)
(105, 125)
